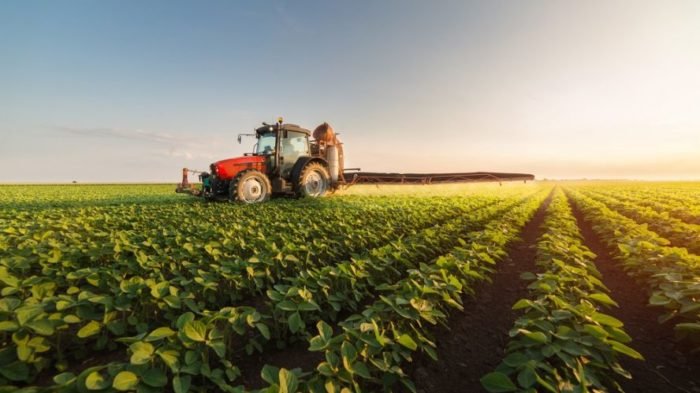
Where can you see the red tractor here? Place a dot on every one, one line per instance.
(285, 161)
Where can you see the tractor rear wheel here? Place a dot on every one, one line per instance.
(314, 181)
(250, 186)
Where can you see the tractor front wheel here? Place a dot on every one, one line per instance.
(314, 181)
(250, 186)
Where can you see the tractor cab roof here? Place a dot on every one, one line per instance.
(283, 127)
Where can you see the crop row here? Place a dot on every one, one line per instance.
(319, 292)
(211, 252)
(671, 274)
(368, 353)
(43, 312)
(679, 233)
(684, 208)
(163, 307)
(292, 314)
(562, 342)
(23, 196)
(345, 286)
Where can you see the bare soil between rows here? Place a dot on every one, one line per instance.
(475, 340)
(667, 367)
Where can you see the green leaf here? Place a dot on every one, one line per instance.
(360, 369)
(291, 258)
(619, 335)
(141, 352)
(125, 380)
(183, 319)
(296, 324)
(536, 336)
(70, 318)
(606, 320)
(154, 377)
(64, 378)
(41, 326)
(325, 369)
(40, 344)
(603, 299)
(348, 351)
(317, 344)
(181, 384)
(159, 334)
(8, 326)
(16, 371)
(264, 330)
(595, 331)
(659, 300)
(218, 346)
(195, 331)
(170, 358)
(309, 306)
(95, 381)
(270, 374)
(90, 329)
(27, 313)
(688, 327)
(324, 330)
(191, 357)
(407, 342)
(624, 349)
(172, 301)
(287, 305)
(24, 352)
(516, 359)
(497, 382)
(527, 378)
(288, 381)
(522, 303)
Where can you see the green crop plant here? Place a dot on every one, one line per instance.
(101, 292)
(670, 274)
(562, 342)
(367, 355)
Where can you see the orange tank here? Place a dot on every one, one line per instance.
(325, 133)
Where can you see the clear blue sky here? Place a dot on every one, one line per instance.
(133, 91)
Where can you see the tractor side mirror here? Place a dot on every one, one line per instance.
(239, 139)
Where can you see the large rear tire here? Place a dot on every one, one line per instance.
(250, 186)
(314, 181)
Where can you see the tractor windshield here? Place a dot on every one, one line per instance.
(266, 143)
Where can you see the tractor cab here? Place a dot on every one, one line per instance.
(282, 145)
(285, 161)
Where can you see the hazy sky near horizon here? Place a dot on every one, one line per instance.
(133, 91)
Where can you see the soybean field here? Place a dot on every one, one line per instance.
(538, 287)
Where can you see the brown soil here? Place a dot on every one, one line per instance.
(666, 368)
(476, 339)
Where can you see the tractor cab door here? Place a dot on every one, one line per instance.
(266, 146)
(292, 146)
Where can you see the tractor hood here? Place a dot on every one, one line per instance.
(229, 168)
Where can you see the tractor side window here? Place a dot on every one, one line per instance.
(295, 145)
(266, 144)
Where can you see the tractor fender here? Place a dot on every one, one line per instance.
(300, 164)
